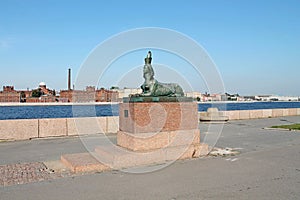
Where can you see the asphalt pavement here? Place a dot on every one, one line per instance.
(267, 167)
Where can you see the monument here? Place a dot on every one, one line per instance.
(159, 125)
(160, 119)
(152, 87)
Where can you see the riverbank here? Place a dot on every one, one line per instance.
(57, 104)
(22, 129)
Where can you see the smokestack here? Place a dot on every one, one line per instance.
(69, 79)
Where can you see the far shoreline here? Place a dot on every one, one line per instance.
(57, 104)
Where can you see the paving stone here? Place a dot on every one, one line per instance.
(22, 173)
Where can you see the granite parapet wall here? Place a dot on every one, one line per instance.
(19, 129)
(41, 128)
(23, 129)
(257, 114)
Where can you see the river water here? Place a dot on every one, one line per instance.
(69, 111)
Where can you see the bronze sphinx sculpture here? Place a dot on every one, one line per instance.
(151, 87)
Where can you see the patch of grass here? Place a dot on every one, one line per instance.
(290, 126)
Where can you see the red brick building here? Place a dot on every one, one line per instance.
(103, 95)
(45, 91)
(25, 94)
(41, 94)
(89, 95)
(41, 99)
(9, 94)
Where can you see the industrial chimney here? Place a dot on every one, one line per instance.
(69, 79)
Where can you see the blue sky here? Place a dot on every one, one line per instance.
(255, 44)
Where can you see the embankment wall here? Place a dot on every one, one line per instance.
(41, 128)
(257, 114)
(23, 129)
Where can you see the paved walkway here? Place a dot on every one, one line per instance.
(268, 167)
(21, 173)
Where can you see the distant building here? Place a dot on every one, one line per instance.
(8, 89)
(276, 98)
(211, 97)
(41, 94)
(9, 94)
(263, 97)
(232, 97)
(41, 99)
(249, 98)
(78, 95)
(195, 95)
(126, 92)
(25, 94)
(104, 95)
(90, 94)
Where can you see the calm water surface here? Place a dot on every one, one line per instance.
(69, 111)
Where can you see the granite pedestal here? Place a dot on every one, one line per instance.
(150, 132)
(154, 132)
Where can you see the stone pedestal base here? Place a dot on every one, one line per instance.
(149, 133)
(152, 141)
(118, 158)
(82, 162)
(113, 157)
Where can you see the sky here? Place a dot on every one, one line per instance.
(254, 44)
